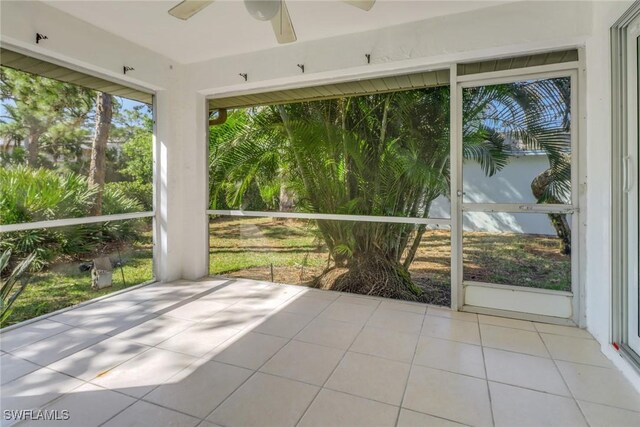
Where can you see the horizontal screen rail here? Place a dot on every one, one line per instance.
(333, 217)
(519, 208)
(7, 228)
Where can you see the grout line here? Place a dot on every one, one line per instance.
(255, 371)
(575, 401)
(413, 358)
(338, 364)
(486, 375)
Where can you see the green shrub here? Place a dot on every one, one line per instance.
(135, 190)
(28, 195)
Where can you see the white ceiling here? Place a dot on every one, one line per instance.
(225, 28)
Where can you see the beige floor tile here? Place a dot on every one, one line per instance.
(283, 324)
(330, 333)
(506, 322)
(513, 340)
(356, 314)
(320, 293)
(568, 331)
(239, 318)
(12, 367)
(396, 320)
(59, 346)
(35, 390)
(28, 334)
(101, 357)
(452, 396)
(514, 406)
(265, 299)
(197, 311)
(114, 324)
(199, 392)
(87, 406)
(156, 330)
(95, 312)
(143, 414)
(599, 385)
(370, 377)
(450, 356)
(410, 307)
(143, 373)
(301, 361)
(199, 339)
(523, 370)
(250, 350)
(451, 329)
(306, 305)
(160, 304)
(577, 350)
(359, 299)
(450, 314)
(417, 419)
(607, 416)
(387, 344)
(332, 408)
(264, 401)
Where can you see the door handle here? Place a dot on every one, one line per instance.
(627, 170)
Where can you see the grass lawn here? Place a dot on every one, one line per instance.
(288, 251)
(63, 285)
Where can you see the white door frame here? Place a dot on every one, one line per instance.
(515, 301)
(630, 185)
(624, 232)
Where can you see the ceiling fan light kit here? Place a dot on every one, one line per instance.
(263, 10)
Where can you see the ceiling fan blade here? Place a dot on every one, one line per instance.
(361, 4)
(187, 8)
(282, 26)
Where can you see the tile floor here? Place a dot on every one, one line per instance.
(244, 353)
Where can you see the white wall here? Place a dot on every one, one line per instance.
(491, 31)
(180, 119)
(598, 208)
(512, 184)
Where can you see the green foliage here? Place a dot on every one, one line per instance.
(381, 155)
(138, 157)
(41, 111)
(13, 284)
(28, 195)
(140, 192)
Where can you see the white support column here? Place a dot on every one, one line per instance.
(181, 138)
(167, 188)
(193, 144)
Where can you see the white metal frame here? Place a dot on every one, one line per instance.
(622, 247)
(567, 305)
(630, 185)
(333, 217)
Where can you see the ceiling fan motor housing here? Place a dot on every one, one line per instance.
(262, 10)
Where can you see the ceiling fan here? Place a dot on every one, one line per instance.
(263, 10)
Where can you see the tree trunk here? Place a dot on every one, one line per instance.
(559, 221)
(33, 148)
(97, 168)
(286, 199)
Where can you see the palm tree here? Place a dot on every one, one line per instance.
(381, 155)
